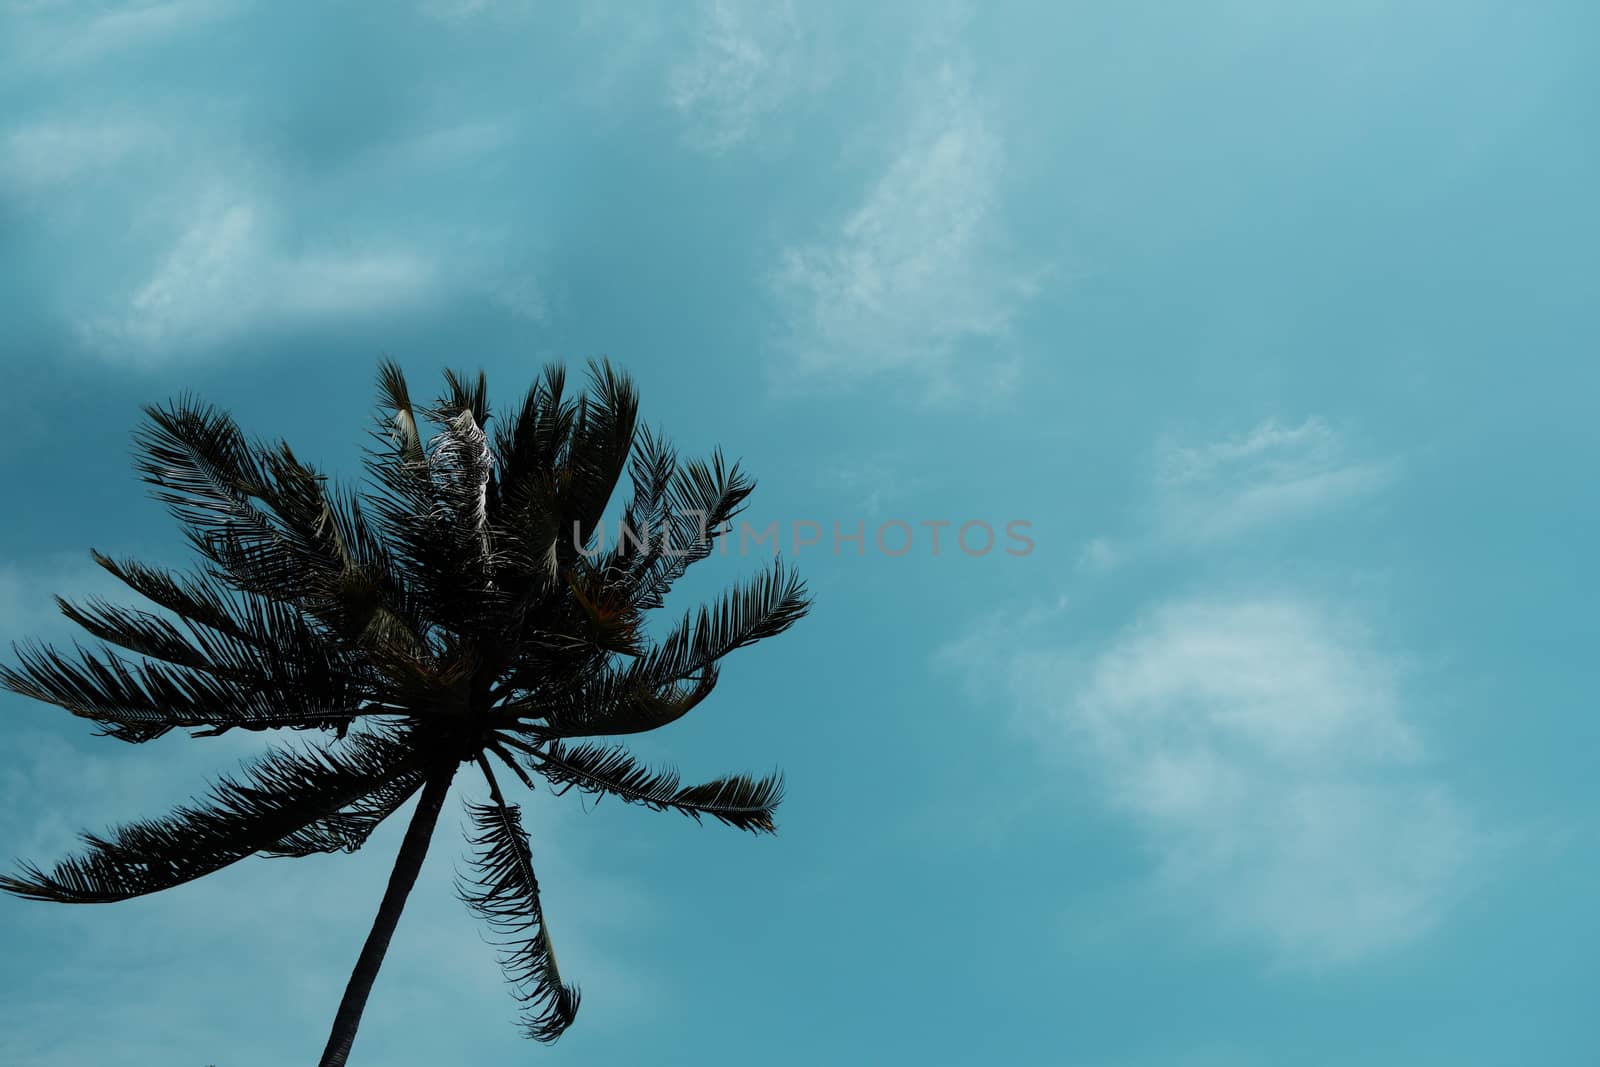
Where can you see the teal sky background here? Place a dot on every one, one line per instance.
(1276, 321)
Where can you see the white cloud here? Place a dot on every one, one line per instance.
(1263, 750)
(873, 482)
(1203, 496)
(454, 10)
(1275, 472)
(1100, 554)
(211, 247)
(64, 34)
(521, 294)
(462, 143)
(917, 274)
(474, 14)
(748, 60)
(229, 271)
(44, 154)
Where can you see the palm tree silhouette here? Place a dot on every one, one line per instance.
(460, 608)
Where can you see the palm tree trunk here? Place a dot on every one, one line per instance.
(406, 865)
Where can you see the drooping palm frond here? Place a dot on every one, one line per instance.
(505, 894)
(741, 801)
(276, 797)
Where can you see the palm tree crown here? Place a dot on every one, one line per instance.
(460, 608)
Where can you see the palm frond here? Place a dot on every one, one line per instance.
(269, 523)
(257, 645)
(200, 600)
(141, 700)
(347, 829)
(532, 444)
(686, 510)
(602, 441)
(740, 801)
(765, 607)
(525, 490)
(505, 894)
(137, 631)
(207, 474)
(462, 463)
(277, 796)
(429, 503)
(354, 588)
(616, 701)
(577, 696)
(395, 398)
(462, 394)
(240, 635)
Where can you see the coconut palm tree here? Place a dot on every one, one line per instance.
(461, 608)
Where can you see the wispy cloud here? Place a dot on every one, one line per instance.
(747, 61)
(1100, 554)
(522, 295)
(874, 482)
(44, 154)
(446, 10)
(918, 280)
(462, 143)
(230, 270)
(1205, 495)
(1275, 472)
(64, 34)
(460, 10)
(1264, 750)
(202, 240)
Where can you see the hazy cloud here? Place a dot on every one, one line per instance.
(229, 270)
(62, 34)
(748, 60)
(1275, 472)
(44, 154)
(1263, 748)
(1202, 496)
(1100, 554)
(916, 280)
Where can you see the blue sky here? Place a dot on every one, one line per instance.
(1275, 322)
